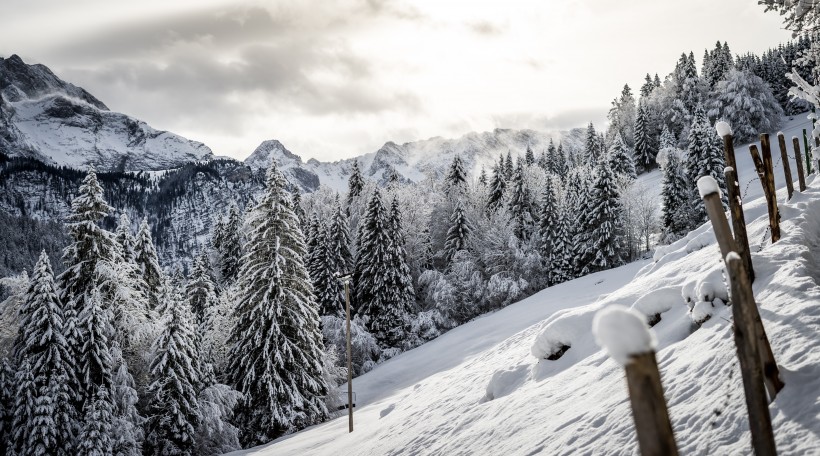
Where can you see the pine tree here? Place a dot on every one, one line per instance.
(482, 176)
(520, 206)
(148, 263)
(276, 358)
(591, 146)
(644, 153)
(200, 290)
(459, 233)
(42, 345)
(296, 204)
(231, 246)
(606, 244)
(125, 239)
(560, 267)
(620, 159)
(175, 376)
(355, 184)
(401, 284)
(647, 87)
(705, 158)
(675, 194)
(529, 156)
(508, 166)
(24, 408)
(96, 365)
(497, 187)
(548, 227)
(456, 178)
(375, 275)
(90, 248)
(7, 395)
(95, 439)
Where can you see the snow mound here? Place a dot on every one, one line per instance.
(656, 302)
(505, 381)
(623, 333)
(554, 340)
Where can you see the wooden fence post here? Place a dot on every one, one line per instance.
(784, 157)
(771, 198)
(801, 177)
(760, 422)
(738, 220)
(710, 193)
(627, 338)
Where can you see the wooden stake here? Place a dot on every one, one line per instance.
(771, 200)
(787, 171)
(649, 410)
(798, 157)
(714, 209)
(760, 422)
(349, 359)
(738, 220)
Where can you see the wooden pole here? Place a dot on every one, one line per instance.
(798, 157)
(784, 157)
(649, 410)
(714, 209)
(349, 359)
(771, 200)
(738, 220)
(760, 423)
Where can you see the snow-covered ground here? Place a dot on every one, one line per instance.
(478, 389)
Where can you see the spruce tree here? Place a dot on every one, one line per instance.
(276, 355)
(605, 245)
(231, 250)
(508, 167)
(459, 233)
(95, 438)
(529, 156)
(148, 263)
(96, 365)
(620, 159)
(355, 184)
(175, 376)
(560, 266)
(456, 178)
(24, 406)
(401, 284)
(591, 146)
(549, 225)
(200, 290)
(705, 158)
(482, 176)
(644, 153)
(336, 257)
(497, 186)
(675, 195)
(296, 204)
(7, 396)
(42, 345)
(125, 239)
(520, 206)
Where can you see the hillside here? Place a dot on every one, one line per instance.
(479, 390)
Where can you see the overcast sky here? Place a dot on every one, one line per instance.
(333, 79)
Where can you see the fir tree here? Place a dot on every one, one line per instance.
(401, 284)
(560, 266)
(24, 406)
(459, 233)
(705, 158)
(95, 438)
(508, 167)
(548, 227)
(591, 147)
(647, 87)
(200, 290)
(529, 156)
(276, 355)
(644, 153)
(497, 186)
(7, 395)
(231, 250)
(482, 176)
(125, 239)
(148, 263)
(520, 206)
(355, 184)
(675, 194)
(456, 178)
(175, 376)
(620, 159)
(605, 241)
(96, 365)
(296, 204)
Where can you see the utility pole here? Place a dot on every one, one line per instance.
(346, 279)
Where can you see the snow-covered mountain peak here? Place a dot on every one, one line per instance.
(270, 150)
(19, 80)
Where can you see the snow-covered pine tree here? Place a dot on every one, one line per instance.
(705, 158)
(746, 102)
(24, 405)
(374, 275)
(647, 87)
(605, 246)
(175, 377)
(520, 206)
(7, 395)
(402, 283)
(644, 153)
(549, 225)
(529, 156)
(339, 241)
(40, 342)
(95, 438)
(591, 146)
(126, 426)
(482, 176)
(459, 233)
(497, 186)
(125, 239)
(276, 358)
(675, 194)
(90, 247)
(96, 365)
(622, 117)
(508, 167)
(148, 263)
(296, 204)
(231, 250)
(200, 290)
(620, 159)
(560, 267)
(455, 182)
(355, 184)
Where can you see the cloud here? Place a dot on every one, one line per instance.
(486, 28)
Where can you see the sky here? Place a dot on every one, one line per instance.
(336, 79)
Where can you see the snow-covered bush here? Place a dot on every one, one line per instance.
(363, 346)
(746, 102)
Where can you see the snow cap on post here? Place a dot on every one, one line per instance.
(708, 185)
(623, 333)
(723, 128)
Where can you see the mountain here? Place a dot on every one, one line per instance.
(44, 117)
(412, 161)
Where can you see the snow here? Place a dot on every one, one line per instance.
(477, 389)
(623, 333)
(708, 185)
(723, 128)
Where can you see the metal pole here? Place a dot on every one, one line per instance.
(349, 358)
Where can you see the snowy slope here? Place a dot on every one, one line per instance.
(478, 390)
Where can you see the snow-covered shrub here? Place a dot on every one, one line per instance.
(656, 302)
(553, 341)
(364, 349)
(215, 434)
(746, 102)
(503, 290)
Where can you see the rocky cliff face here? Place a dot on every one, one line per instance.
(44, 117)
